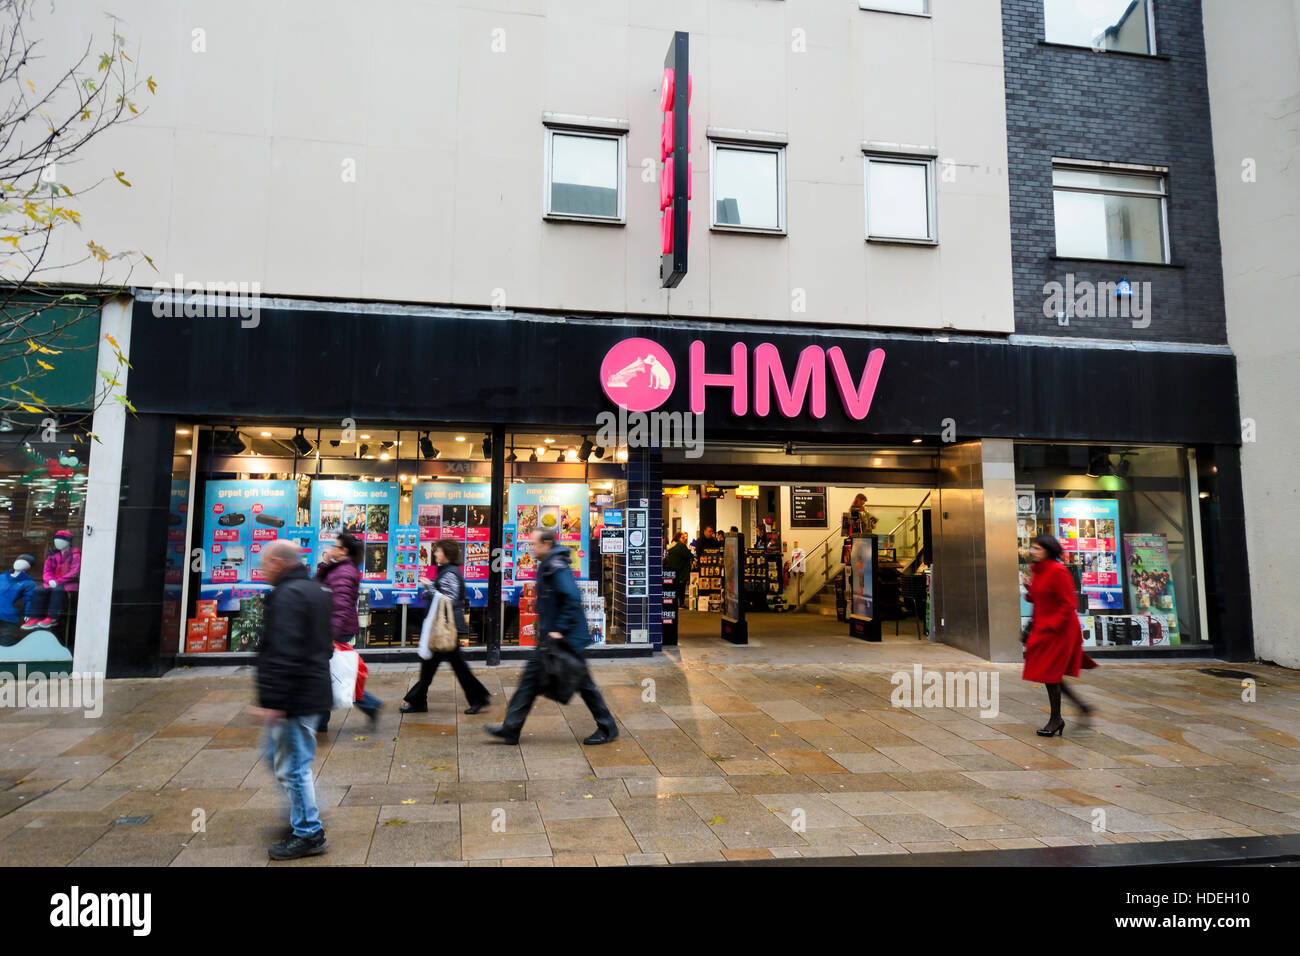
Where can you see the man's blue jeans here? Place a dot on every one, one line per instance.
(290, 748)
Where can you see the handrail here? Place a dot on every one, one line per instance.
(913, 512)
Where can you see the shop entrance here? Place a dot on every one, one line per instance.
(793, 508)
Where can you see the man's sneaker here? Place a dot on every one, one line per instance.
(45, 622)
(297, 847)
(288, 834)
(30, 623)
(499, 730)
(601, 737)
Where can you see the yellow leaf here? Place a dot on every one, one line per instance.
(45, 365)
(393, 823)
(12, 240)
(408, 802)
(121, 177)
(33, 410)
(715, 821)
(31, 86)
(153, 87)
(44, 351)
(112, 341)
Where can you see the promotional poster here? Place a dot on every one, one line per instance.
(239, 518)
(1150, 583)
(1088, 529)
(457, 512)
(559, 507)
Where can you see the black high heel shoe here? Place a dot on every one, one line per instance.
(1050, 731)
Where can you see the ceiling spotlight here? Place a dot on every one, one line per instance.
(460, 438)
(550, 441)
(361, 451)
(533, 456)
(512, 456)
(571, 453)
(539, 451)
(600, 452)
(228, 443)
(426, 447)
(266, 434)
(587, 447)
(559, 457)
(1098, 464)
(487, 448)
(301, 444)
(334, 443)
(916, 441)
(364, 437)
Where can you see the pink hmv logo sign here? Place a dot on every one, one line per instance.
(639, 375)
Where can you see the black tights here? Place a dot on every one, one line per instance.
(1054, 692)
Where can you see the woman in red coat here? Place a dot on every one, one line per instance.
(1055, 645)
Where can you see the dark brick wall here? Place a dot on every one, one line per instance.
(1073, 103)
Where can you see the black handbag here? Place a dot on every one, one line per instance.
(562, 670)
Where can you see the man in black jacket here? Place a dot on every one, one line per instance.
(293, 689)
(559, 618)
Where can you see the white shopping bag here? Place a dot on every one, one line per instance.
(426, 629)
(343, 676)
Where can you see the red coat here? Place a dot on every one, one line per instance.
(1055, 646)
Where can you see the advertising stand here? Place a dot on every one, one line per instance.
(734, 627)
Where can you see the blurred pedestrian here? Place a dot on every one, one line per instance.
(448, 585)
(293, 689)
(340, 571)
(560, 617)
(1054, 648)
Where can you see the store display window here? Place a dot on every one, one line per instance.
(43, 469)
(1127, 518)
(394, 493)
(564, 483)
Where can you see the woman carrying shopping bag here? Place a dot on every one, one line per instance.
(447, 586)
(340, 571)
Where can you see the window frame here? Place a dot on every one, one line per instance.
(1116, 169)
(930, 164)
(1151, 35)
(589, 132)
(873, 6)
(753, 146)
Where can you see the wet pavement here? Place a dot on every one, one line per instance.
(788, 747)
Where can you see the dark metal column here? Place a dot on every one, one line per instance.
(492, 619)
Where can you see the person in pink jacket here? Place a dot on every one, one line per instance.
(62, 568)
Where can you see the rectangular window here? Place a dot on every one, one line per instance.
(748, 187)
(1123, 26)
(1128, 521)
(918, 7)
(1104, 214)
(585, 175)
(901, 198)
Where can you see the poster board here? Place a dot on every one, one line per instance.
(1088, 529)
(808, 506)
(1150, 583)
